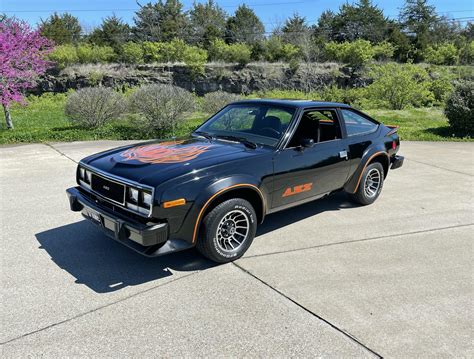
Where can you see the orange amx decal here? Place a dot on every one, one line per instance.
(297, 189)
(165, 152)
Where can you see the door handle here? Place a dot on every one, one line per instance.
(343, 154)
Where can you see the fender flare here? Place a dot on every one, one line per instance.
(218, 188)
(352, 184)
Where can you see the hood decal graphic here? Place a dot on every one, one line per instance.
(165, 152)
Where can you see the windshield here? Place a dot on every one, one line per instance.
(262, 124)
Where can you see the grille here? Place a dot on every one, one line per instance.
(109, 189)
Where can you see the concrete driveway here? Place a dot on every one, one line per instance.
(329, 279)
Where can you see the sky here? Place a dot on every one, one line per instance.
(271, 12)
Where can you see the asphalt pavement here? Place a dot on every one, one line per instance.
(326, 279)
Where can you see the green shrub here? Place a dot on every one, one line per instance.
(277, 50)
(162, 106)
(397, 86)
(350, 96)
(95, 54)
(258, 51)
(384, 51)
(85, 53)
(195, 59)
(460, 109)
(445, 54)
(214, 101)
(172, 51)
(356, 54)
(152, 51)
(132, 53)
(220, 51)
(64, 55)
(441, 89)
(94, 106)
(359, 53)
(240, 53)
(289, 52)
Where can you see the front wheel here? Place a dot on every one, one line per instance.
(228, 231)
(370, 185)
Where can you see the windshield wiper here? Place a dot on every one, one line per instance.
(204, 134)
(242, 140)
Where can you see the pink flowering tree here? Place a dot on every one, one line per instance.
(23, 54)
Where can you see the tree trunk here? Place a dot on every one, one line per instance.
(8, 118)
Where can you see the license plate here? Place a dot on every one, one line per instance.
(94, 216)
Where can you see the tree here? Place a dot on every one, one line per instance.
(113, 32)
(468, 31)
(244, 26)
(23, 54)
(360, 21)
(62, 29)
(293, 28)
(208, 22)
(446, 30)
(325, 28)
(404, 50)
(162, 21)
(418, 19)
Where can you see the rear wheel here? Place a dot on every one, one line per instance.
(370, 185)
(228, 231)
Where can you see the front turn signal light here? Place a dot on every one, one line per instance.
(175, 203)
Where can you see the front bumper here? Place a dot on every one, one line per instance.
(147, 239)
(396, 162)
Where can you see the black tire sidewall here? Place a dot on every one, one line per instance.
(211, 222)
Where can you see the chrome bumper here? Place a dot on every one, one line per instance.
(116, 226)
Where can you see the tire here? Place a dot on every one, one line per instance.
(370, 186)
(228, 223)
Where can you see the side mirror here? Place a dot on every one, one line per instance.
(307, 143)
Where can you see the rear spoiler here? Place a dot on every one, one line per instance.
(393, 129)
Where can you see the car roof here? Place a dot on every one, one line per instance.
(292, 103)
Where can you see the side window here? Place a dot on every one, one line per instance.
(318, 125)
(357, 124)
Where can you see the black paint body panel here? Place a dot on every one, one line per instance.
(267, 172)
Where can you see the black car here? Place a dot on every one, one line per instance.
(252, 158)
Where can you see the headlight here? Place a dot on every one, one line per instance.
(81, 173)
(133, 193)
(87, 176)
(147, 198)
(139, 200)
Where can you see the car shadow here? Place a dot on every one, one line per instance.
(284, 218)
(105, 265)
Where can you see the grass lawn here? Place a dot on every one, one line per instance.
(418, 124)
(43, 120)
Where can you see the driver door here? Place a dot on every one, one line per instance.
(305, 173)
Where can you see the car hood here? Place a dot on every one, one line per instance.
(155, 162)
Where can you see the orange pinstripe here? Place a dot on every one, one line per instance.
(218, 193)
